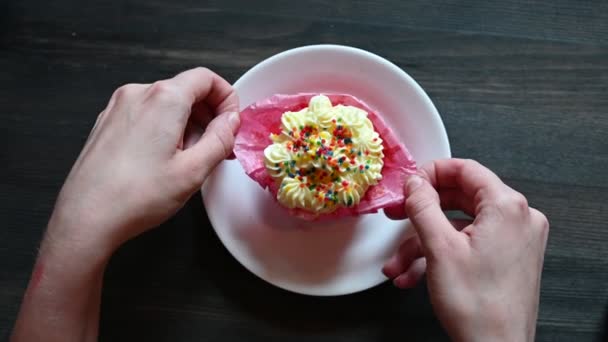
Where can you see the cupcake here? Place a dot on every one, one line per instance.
(323, 156)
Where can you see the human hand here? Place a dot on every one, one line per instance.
(484, 280)
(145, 157)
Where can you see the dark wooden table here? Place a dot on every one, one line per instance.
(522, 86)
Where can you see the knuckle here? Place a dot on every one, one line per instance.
(540, 220)
(124, 91)
(198, 72)
(164, 91)
(160, 88)
(520, 202)
(470, 164)
(202, 70)
(513, 203)
(468, 167)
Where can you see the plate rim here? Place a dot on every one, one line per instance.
(394, 68)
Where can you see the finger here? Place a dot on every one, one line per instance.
(401, 261)
(395, 213)
(473, 179)
(424, 210)
(192, 134)
(214, 145)
(412, 276)
(450, 199)
(202, 84)
(201, 116)
(178, 94)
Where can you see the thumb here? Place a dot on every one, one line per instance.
(423, 208)
(215, 145)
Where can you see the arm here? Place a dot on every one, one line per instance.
(145, 156)
(483, 276)
(63, 295)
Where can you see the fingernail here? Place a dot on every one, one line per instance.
(234, 120)
(413, 182)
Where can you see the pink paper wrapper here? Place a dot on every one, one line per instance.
(264, 117)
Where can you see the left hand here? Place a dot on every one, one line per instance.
(146, 155)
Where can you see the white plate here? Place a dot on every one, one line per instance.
(321, 259)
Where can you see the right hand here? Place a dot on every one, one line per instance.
(483, 280)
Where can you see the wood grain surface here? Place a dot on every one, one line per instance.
(521, 87)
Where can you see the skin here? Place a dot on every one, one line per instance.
(483, 276)
(154, 145)
(145, 156)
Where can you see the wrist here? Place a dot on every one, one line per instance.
(494, 326)
(488, 335)
(62, 298)
(75, 237)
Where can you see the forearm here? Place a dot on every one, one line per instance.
(62, 300)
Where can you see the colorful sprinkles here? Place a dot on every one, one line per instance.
(326, 159)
